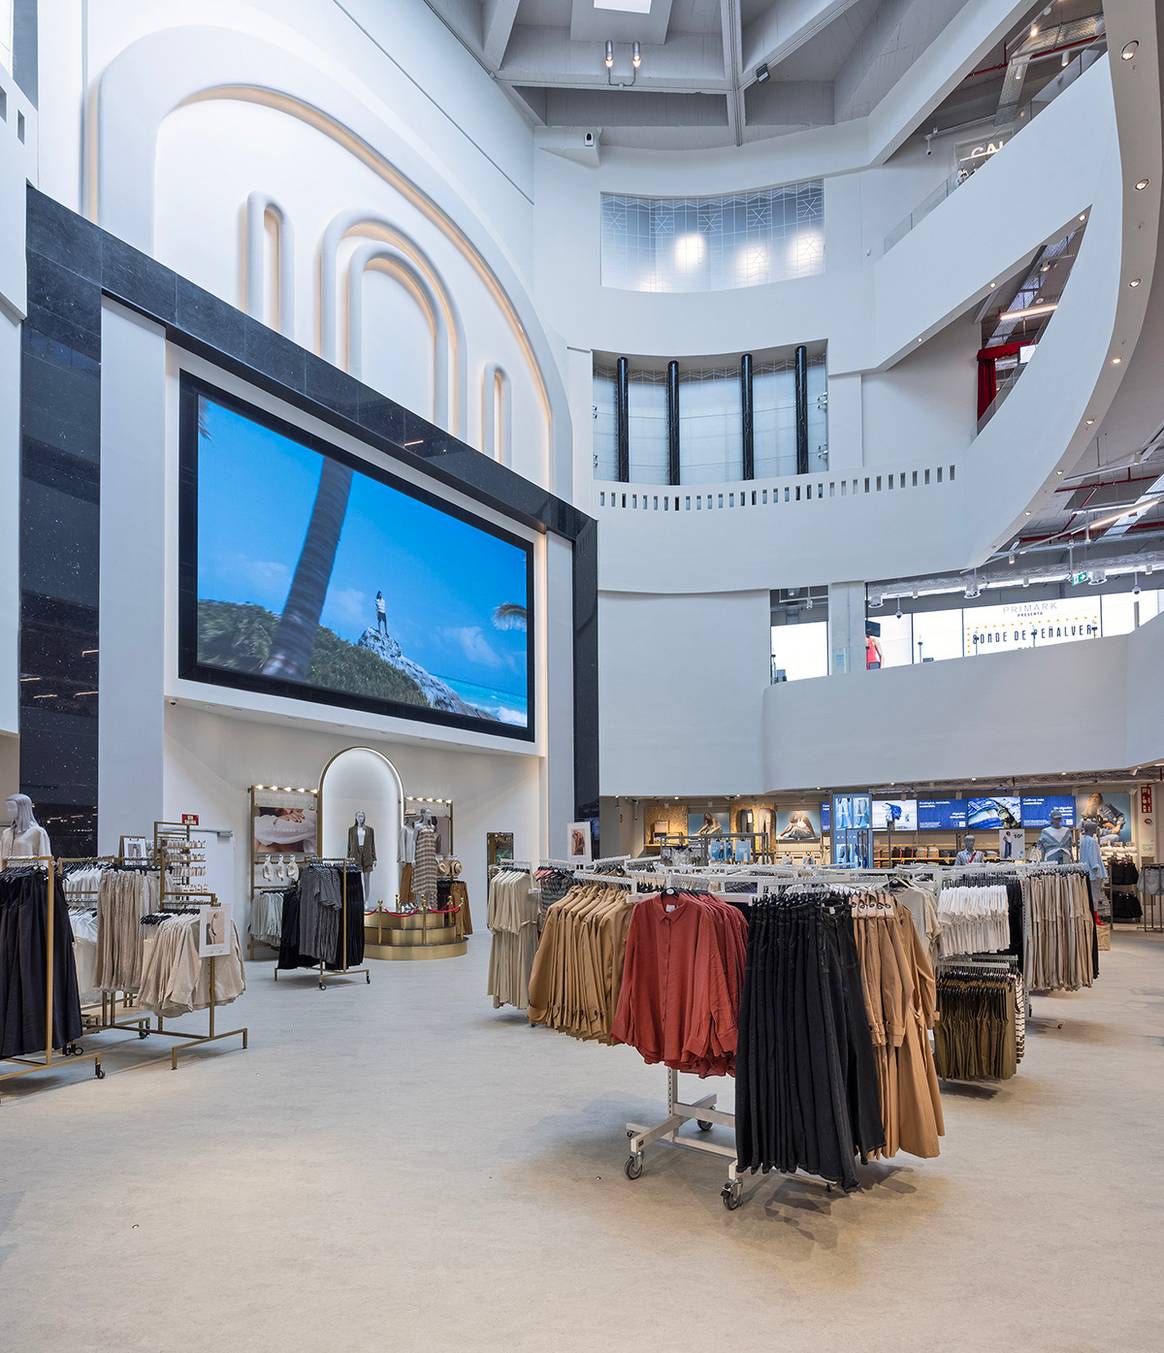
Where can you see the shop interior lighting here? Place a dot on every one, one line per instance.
(608, 59)
(1129, 50)
(898, 612)
(1031, 311)
(1141, 184)
(1135, 282)
(1115, 361)
(636, 55)
(1136, 585)
(1090, 422)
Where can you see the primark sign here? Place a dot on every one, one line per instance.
(1030, 624)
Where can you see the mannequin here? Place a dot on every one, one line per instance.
(1055, 840)
(424, 871)
(968, 855)
(25, 836)
(362, 849)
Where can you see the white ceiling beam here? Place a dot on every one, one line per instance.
(731, 28)
(690, 63)
(497, 20)
(785, 28)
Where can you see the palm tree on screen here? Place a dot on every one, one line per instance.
(294, 640)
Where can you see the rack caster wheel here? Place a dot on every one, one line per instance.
(367, 979)
(99, 1071)
(703, 1125)
(634, 1165)
(143, 1033)
(323, 986)
(731, 1195)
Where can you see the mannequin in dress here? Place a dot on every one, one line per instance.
(25, 836)
(362, 849)
(1055, 840)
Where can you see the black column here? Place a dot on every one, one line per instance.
(672, 422)
(622, 417)
(747, 424)
(802, 410)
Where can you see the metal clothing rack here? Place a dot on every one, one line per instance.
(72, 1052)
(343, 865)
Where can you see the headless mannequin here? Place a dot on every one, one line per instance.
(25, 836)
(1055, 841)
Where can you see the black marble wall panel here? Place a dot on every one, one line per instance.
(72, 264)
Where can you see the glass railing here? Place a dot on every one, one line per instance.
(1071, 72)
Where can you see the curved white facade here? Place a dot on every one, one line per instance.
(362, 187)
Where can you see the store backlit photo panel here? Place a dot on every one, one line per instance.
(1037, 809)
(899, 815)
(993, 811)
(308, 573)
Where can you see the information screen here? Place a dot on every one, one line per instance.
(935, 815)
(898, 814)
(1037, 809)
(310, 573)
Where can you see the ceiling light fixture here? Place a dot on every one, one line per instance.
(1115, 361)
(1090, 422)
(636, 55)
(762, 74)
(608, 59)
(1083, 216)
(1135, 282)
(1129, 50)
(993, 285)
(1141, 184)
(1034, 30)
(897, 616)
(1136, 584)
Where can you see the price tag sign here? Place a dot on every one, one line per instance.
(190, 819)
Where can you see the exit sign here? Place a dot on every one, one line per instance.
(1078, 579)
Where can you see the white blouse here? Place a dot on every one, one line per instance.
(14, 845)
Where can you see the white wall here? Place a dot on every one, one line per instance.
(679, 692)
(1064, 708)
(360, 780)
(212, 758)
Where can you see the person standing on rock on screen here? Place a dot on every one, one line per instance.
(381, 614)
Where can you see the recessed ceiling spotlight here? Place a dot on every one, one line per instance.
(993, 285)
(762, 74)
(1046, 267)
(1089, 421)
(1141, 184)
(1083, 216)
(1034, 30)
(1027, 513)
(1115, 361)
(1135, 282)
(1129, 50)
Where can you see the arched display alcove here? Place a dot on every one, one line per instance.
(360, 779)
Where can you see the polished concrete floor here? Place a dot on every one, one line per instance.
(399, 1166)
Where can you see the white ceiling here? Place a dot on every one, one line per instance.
(829, 61)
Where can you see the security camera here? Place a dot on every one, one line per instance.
(588, 139)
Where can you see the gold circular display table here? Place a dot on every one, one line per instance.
(398, 935)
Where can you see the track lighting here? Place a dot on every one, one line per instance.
(608, 59)
(1136, 585)
(897, 614)
(636, 55)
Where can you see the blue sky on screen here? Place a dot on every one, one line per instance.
(442, 578)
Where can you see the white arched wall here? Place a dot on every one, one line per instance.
(362, 779)
(497, 414)
(270, 263)
(192, 95)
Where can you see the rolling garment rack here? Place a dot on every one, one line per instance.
(72, 1052)
(343, 865)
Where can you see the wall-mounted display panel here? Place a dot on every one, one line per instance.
(895, 815)
(309, 573)
(993, 811)
(1037, 809)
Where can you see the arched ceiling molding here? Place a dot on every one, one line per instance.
(496, 441)
(167, 70)
(445, 353)
(258, 207)
(359, 747)
(388, 242)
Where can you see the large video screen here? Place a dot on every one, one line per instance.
(994, 810)
(895, 814)
(307, 572)
(1037, 809)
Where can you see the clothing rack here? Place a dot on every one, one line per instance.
(343, 865)
(30, 1065)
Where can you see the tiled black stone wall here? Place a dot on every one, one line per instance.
(72, 263)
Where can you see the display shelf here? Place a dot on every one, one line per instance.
(413, 935)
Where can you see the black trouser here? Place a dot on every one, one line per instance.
(23, 948)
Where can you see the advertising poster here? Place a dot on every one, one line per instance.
(898, 815)
(797, 824)
(993, 810)
(1111, 813)
(213, 932)
(284, 821)
(1012, 843)
(938, 815)
(707, 824)
(579, 842)
(1037, 809)
(1032, 624)
(498, 847)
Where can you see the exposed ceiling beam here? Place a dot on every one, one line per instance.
(730, 24)
(784, 28)
(497, 20)
(546, 57)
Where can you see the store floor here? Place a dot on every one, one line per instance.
(398, 1166)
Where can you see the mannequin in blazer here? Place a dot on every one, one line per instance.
(362, 850)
